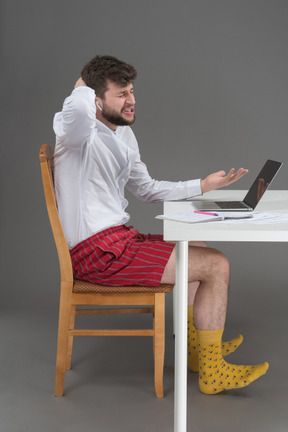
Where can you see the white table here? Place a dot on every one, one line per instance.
(273, 201)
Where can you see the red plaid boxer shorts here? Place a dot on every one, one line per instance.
(121, 256)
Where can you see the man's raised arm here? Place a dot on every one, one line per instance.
(74, 123)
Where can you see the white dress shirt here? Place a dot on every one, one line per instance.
(93, 165)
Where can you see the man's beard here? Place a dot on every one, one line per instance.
(116, 119)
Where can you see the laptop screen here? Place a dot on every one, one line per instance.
(262, 183)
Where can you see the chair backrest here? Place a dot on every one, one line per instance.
(46, 163)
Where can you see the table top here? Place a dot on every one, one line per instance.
(274, 201)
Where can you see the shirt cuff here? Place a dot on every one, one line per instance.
(193, 188)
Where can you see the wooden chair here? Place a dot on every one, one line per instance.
(75, 293)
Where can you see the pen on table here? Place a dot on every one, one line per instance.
(205, 213)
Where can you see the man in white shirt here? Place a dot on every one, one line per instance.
(96, 157)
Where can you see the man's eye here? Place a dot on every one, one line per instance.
(125, 94)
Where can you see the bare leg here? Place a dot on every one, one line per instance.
(210, 270)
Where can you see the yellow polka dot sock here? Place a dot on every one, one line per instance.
(193, 363)
(215, 374)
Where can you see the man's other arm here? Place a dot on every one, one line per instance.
(147, 189)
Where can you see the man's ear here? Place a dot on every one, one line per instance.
(98, 103)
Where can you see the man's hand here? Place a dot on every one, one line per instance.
(220, 179)
(80, 83)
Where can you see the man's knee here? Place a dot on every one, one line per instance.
(219, 262)
(207, 263)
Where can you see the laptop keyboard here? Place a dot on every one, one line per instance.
(230, 204)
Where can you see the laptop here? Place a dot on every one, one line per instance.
(254, 195)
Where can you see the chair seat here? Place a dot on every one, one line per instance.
(83, 287)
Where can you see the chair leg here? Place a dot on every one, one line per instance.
(159, 342)
(62, 344)
(70, 338)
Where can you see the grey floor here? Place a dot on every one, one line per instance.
(110, 387)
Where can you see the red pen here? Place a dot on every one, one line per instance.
(206, 213)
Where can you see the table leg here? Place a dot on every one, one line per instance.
(180, 386)
(174, 308)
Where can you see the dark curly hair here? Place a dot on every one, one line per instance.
(102, 68)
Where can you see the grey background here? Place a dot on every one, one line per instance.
(211, 94)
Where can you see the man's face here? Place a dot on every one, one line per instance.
(118, 107)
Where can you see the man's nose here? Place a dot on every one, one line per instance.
(131, 99)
